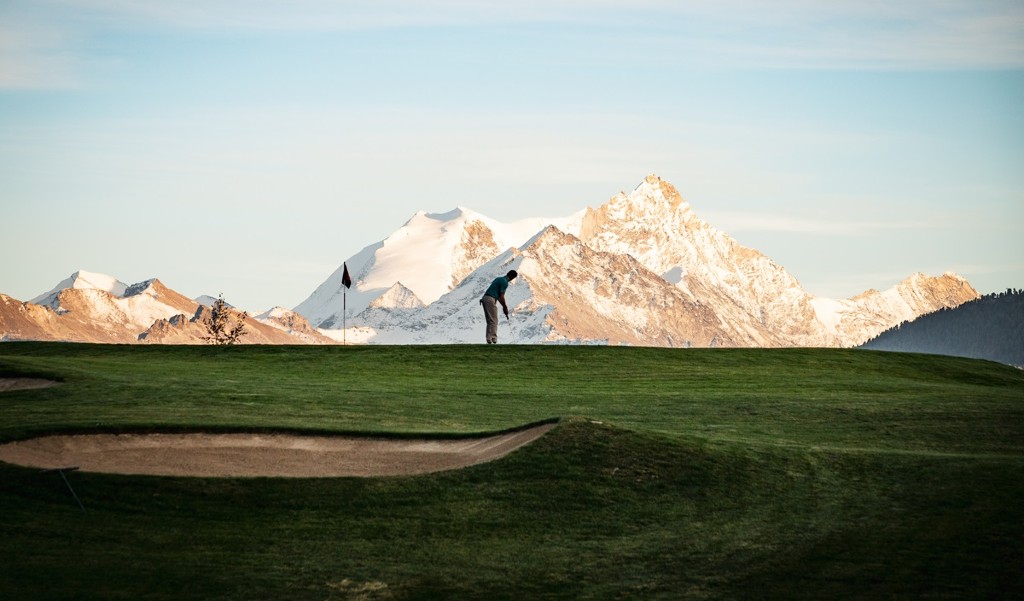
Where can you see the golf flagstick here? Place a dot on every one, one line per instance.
(346, 283)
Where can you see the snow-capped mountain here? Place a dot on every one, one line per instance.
(422, 260)
(92, 307)
(657, 226)
(81, 280)
(862, 317)
(567, 292)
(641, 269)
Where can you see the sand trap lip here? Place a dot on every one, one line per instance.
(262, 455)
(24, 383)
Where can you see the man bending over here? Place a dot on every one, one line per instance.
(496, 294)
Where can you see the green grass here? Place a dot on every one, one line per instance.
(727, 474)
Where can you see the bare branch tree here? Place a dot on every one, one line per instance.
(220, 327)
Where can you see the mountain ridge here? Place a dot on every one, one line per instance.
(756, 301)
(97, 308)
(642, 268)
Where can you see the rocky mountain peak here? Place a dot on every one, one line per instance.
(656, 225)
(152, 287)
(945, 291)
(291, 323)
(653, 205)
(476, 246)
(549, 235)
(397, 297)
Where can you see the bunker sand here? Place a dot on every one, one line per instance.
(262, 455)
(24, 383)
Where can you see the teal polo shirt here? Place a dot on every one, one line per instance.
(497, 287)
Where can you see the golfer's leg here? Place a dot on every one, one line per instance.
(492, 325)
(491, 315)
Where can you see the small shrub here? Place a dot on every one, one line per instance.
(224, 326)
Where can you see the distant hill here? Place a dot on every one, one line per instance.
(991, 327)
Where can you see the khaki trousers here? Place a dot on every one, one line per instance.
(491, 315)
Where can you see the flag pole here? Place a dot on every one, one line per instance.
(346, 283)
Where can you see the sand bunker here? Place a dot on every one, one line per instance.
(24, 383)
(274, 455)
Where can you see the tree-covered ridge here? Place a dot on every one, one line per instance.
(991, 327)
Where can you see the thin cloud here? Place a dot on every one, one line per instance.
(34, 57)
(791, 34)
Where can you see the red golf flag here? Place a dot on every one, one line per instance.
(346, 280)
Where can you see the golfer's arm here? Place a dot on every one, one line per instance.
(501, 299)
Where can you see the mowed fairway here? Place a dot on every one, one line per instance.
(674, 474)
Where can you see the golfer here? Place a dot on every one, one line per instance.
(496, 294)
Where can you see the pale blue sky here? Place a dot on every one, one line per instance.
(248, 148)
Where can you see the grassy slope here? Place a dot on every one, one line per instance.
(714, 473)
